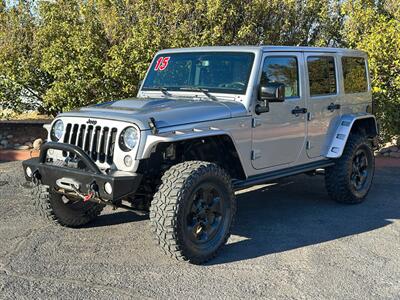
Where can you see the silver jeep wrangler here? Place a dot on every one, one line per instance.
(206, 122)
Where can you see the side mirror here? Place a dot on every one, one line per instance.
(272, 92)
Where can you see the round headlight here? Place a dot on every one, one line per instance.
(129, 138)
(57, 131)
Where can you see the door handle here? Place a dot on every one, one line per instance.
(333, 106)
(297, 111)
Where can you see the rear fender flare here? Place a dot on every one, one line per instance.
(340, 129)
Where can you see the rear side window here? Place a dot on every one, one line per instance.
(354, 75)
(322, 75)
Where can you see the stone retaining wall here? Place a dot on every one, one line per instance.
(391, 151)
(21, 135)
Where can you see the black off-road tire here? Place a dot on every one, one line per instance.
(50, 206)
(171, 204)
(338, 178)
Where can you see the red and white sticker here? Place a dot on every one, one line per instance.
(162, 63)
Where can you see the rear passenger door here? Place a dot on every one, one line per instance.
(322, 98)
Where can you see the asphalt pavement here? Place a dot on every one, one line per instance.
(290, 241)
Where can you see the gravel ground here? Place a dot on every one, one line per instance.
(290, 241)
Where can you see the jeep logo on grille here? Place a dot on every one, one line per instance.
(92, 122)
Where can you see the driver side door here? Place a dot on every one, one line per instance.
(279, 135)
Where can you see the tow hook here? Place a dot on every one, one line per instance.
(93, 192)
(93, 188)
(93, 196)
(88, 197)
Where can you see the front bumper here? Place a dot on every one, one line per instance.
(84, 181)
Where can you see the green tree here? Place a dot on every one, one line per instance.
(21, 80)
(374, 26)
(71, 43)
(64, 54)
(136, 30)
(289, 22)
(67, 54)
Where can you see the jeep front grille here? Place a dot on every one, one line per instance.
(97, 141)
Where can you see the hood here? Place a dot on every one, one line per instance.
(166, 112)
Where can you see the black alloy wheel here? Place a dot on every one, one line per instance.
(206, 213)
(361, 169)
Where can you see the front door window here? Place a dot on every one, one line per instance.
(283, 70)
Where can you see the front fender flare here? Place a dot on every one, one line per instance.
(152, 140)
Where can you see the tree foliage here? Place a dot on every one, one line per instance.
(374, 26)
(20, 75)
(72, 47)
(68, 53)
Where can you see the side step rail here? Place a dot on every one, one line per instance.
(269, 176)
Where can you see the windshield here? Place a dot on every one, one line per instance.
(218, 72)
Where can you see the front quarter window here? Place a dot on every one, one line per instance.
(218, 72)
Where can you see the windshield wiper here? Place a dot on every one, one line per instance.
(163, 90)
(197, 89)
